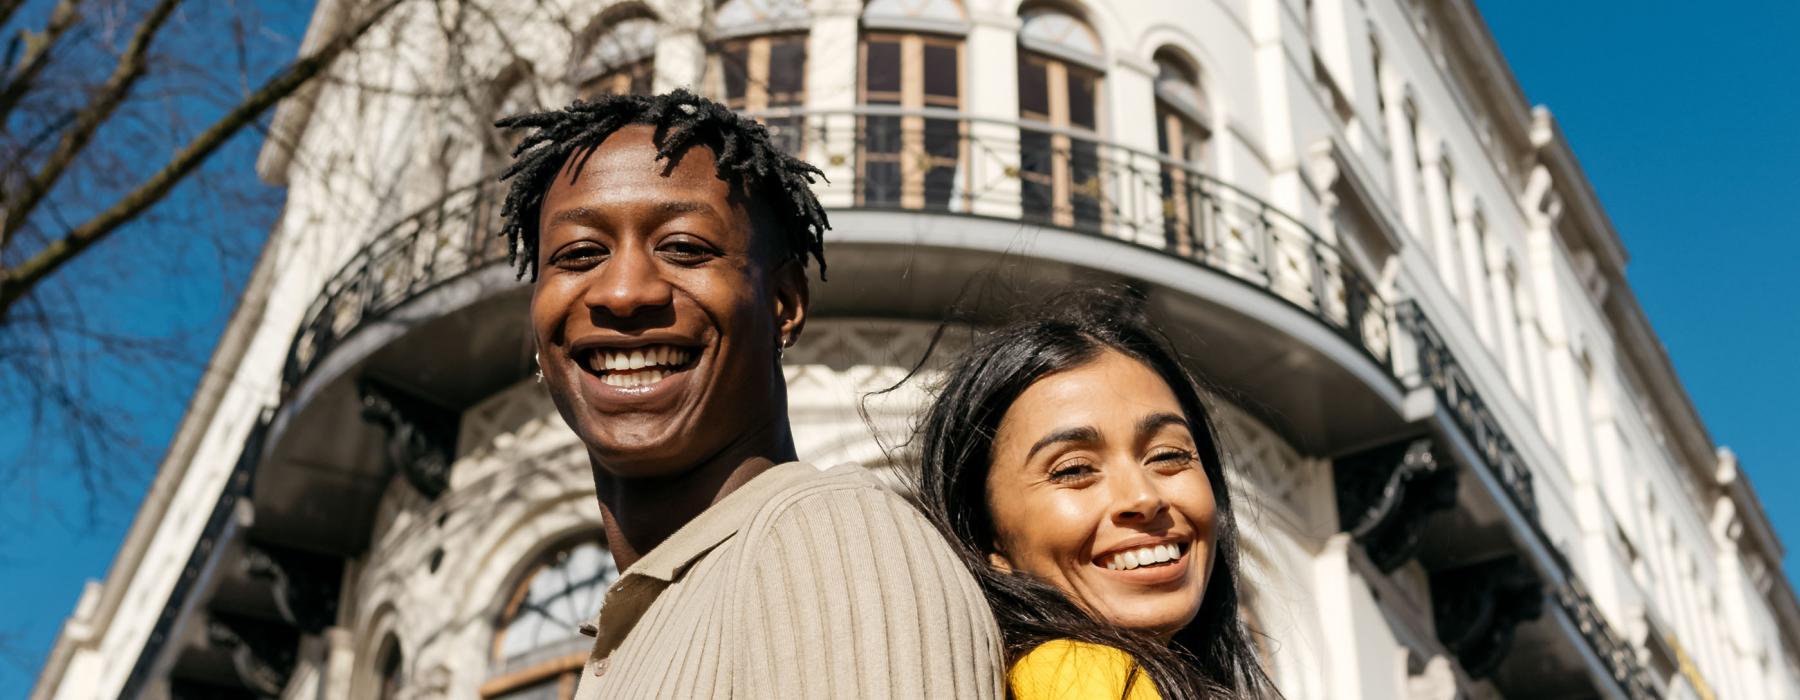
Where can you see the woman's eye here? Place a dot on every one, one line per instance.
(1071, 472)
(1173, 458)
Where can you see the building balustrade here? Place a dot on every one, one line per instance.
(457, 234)
(237, 488)
(926, 161)
(1440, 370)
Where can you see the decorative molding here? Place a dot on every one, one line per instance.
(1440, 370)
(263, 653)
(305, 584)
(421, 436)
(1620, 658)
(1478, 608)
(1387, 494)
(237, 487)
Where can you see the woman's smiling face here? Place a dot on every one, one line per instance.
(1096, 487)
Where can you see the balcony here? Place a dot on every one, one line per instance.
(1260, 297)
(1570, 648)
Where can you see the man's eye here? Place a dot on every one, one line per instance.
(686, 251)
(578, 257)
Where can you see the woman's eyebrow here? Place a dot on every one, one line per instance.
(1084, 433)
(1156, 421)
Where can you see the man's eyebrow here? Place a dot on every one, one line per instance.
(1084, 433)
(666, 208)
(575, 215)
(1155, 421)
(684, 206)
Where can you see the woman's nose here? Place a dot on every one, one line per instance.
(1136, 497)
(628, 283)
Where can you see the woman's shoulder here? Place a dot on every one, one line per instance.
(1066, 669)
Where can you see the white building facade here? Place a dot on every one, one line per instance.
(1469, 469)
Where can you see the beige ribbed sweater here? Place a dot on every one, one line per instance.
(800, 584)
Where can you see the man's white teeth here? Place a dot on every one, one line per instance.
(1143, 556)
(635, 379)
(638, 358)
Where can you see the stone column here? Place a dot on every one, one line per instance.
(992, 66)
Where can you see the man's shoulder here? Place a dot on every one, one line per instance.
(846, 497)
(842, 483)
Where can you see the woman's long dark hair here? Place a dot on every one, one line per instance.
(1212, 656)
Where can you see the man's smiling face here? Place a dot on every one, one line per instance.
(657, 310)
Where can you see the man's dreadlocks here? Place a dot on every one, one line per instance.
(743, 156)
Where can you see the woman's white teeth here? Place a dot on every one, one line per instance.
(638, 358)
(1144, 556)
(635, 379)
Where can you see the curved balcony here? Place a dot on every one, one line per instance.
(929, 161)
(455, 235)
(1574, 645)
(421, 322)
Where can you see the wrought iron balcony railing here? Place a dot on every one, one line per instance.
(457, 234)
(1440, 370)
(928, 161)
(933, 160)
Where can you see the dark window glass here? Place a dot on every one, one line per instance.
(787, 70)
(1034, 87)
(881, 183)
(1084, 176)
(735, 62)
(1036, 193)
(940, 71)
(1082, 86)
(884, 70)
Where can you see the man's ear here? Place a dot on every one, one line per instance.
(791, 298)
(999, 561)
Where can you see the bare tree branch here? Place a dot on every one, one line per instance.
(17, 282)
(7, 8)
(130, 68)
(37, 55)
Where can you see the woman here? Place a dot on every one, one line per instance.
(1070, 460)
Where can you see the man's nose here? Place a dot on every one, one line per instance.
(628, 283)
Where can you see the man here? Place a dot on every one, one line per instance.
(668, 240)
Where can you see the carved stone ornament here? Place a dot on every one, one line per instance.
(263, 653)
(1386, 495)
(1478, 608)
(305, 584)
(421, 436)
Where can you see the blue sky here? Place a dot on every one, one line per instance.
(1687, 121)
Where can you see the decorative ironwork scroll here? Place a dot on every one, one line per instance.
(1385, 496)
(421, 436)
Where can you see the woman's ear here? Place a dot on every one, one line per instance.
(999, 561)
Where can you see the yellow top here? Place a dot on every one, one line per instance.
(1065, 669)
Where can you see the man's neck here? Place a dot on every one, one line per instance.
(640, 514)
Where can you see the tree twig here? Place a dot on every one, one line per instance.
(37, 55)
(130, 67)
(20, 280)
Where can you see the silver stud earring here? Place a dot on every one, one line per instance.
(540, 367)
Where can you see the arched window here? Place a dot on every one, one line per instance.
(1181, 135)
(1060, 69)
(757, 62)
(622, 57)
(911, 59)
(539, 649)
(389, 676)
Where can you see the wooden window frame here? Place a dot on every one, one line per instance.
(914, 161)
(1061, 177)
